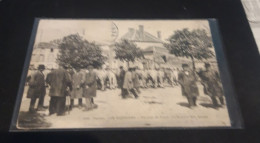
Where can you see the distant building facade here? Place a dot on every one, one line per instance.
(155, 54)
(148, 43)
(142, 38)
(46, 54)
(109, 53)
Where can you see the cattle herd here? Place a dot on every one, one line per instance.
(109, 78)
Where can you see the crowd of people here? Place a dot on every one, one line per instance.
(61, 83)
(79, 84)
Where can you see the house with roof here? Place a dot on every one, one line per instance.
(152, 46)
(142, 38)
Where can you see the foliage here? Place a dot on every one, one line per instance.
(193, 44)
(127, 51)
(78, 53)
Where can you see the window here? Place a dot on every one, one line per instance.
(41, 58)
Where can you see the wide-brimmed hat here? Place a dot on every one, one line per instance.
(41, 67)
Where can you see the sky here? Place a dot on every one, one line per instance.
(100, 31)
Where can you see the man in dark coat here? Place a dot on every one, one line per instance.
(59, 81)
(121, 82)
(36, 89)
(187, 79)
(90, 88)
(212, 85)
(128, 83)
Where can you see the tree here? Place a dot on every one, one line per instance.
(78, 53)
(127, 51)
(193, 44)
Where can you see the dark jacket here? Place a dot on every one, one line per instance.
(211, 82)
(36, 84)
(121, 78)
(59, 80)
(188, 84)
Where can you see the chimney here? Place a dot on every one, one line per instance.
(159, 34)
(141, 30)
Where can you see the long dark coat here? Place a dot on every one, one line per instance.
(121, 78)
(212, 84)
(59, 80)
(188, 84)
(90, 85)
(77, 80)
(36, 84)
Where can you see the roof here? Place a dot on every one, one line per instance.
(140, 36)
(46, 45)
(156, 49)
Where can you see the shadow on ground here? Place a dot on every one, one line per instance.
(153, 102)
(208, 105)
(184, 104)
(32, 120)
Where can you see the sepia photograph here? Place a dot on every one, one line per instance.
(111, 73)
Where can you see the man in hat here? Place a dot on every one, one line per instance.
(128, 83)
(37, 89)
(187, 79)
(59, 81)
(90, 88)
(212, 85)
(121, 81)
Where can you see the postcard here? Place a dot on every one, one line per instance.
(114, 73)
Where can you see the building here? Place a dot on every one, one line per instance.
(46, 54)
(109, 53)
(142, 38)
(155, 53)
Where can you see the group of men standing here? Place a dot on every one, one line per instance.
(187, 78)
(210, 80)
(128, 82)
(81, 84)
(62, 83)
